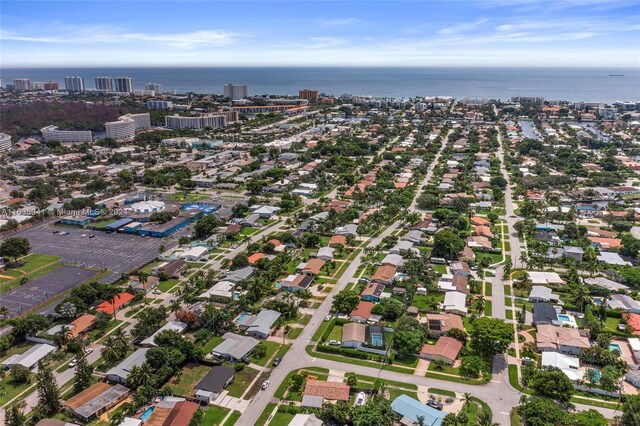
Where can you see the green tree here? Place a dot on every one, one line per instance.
(538, 411)
(84, 371)
(447, 244)
(552, 383)
(48, 392)
(631, 410)
(14, 415)
(15, 247)
(20, 374)
(491, 336)
(345, 301)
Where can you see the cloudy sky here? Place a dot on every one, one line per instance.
(580, 33)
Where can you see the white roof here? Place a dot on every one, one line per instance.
(634, 342)
(544, 277)
(326, 251)
(455, 300)
(196, 251)
(542, 292)
(605, 283)
(147, 206)
(612, 258)
(221, 288)
(171, 325)
(129, 421)
(570, 365)
(31, 357)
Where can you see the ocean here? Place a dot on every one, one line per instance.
(569, 84)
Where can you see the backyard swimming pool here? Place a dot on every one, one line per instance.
(242, 316)
(147, 413)
(568, 320)
(615, 346)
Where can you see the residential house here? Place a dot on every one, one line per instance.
(212, 385)
(633, 321)
(372, 292)
(362, 313)
(330, 391)
(240, 274)
(350, 229)
(561, 339)
(119, 301)
(353, 335)
(337, 240)
(384, 274)
(401, 246)
(479, 242)
(544, 278)
(455, 302)
(172, 411)
(446, 350)
(120, 372)
(176, 326)
(625, 303)
(250, 221)
(413, 412)
(30, 358)
(394, 260)
(172, 268)
(313, 266)
(221, 289)
(95, 400)
(569, 365)
(460, 268)
(605, 243)
(541, 293)
(611, 258)
(325, 253)
(234, 347)
(259, 325)
(414, 236)
(255, 257)
(296, 283)
(439, 324)
(573, 253)
(544, 313)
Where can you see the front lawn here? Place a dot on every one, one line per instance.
(271, 348)
(241, 381)
(184, 383)
(214, 415)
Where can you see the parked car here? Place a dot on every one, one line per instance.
(435, 404)
(73, 363)
(265, 384)
(276, 361)
(334, 342)
(328, 317)
(156, 291)
(88, 351)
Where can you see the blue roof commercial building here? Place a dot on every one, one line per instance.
(412, 409)
(114, 226)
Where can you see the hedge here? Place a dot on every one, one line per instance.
(354, 353)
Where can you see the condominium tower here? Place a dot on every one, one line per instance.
(74, 84)
(236, 91)
(104, 84)
(124, 84)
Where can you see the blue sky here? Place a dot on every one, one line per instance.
(581, 33)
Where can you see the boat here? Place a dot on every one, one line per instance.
(616, 75)
(360, 399)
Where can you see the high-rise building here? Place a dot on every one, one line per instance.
(74, 84)
(22, 84)
(156, 104)
(236, 91)
(156, 87)
(5, 142)
(104, 84)
(200, 122)
(124, 84)
(127, 125)
(308, 94)
(37, 85)
(51, 85)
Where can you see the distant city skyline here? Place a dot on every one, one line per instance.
(570, 33)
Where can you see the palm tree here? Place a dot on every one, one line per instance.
(63, 337)
(4, 311)
(174, 306)
(140, 375)
(110, 351)
(581, 297)
(466, 397)
(480, 305)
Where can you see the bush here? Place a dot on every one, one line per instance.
(353, 353)
(238, 366)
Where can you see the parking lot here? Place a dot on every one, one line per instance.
(118, 253)
(34, 293)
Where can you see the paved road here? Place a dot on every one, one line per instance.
(511, 217)
(297, 356)
(445, 141)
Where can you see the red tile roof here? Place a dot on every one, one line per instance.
(120, 300)
(328, 390)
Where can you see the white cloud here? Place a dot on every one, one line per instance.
(338, 22)
(104, 34)
(463, 27)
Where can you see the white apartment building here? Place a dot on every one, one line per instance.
(236, 91)
(209, 120)
(127, 125)
(74, 84)
(154, 104)
(22, 84)
(51, 133)
(104, 84)
(123, 84)
(5, 142)
(156, 87)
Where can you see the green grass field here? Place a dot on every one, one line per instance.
(191, 375)
(214, 415)
(272, 347)
(36, 265)
(241, 381)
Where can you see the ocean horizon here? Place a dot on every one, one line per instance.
(556, 84)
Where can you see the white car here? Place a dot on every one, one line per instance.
(265, 384)
(73, 363)
(88, 351)
(334, 342)
(328, 317)
(361, 398)
(156, 291)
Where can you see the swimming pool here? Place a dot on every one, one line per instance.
(242, 316)
(376, 339)
(564, 318)
(615, 346)
(147, 413)
(278, 284)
